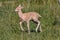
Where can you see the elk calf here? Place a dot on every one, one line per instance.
(27, 17)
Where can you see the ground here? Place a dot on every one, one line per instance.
(50, 20)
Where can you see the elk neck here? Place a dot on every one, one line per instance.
(20, 13)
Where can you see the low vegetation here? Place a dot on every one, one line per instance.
(50, 21)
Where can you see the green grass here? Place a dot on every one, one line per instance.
(50, 21)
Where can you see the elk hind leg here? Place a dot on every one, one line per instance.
(38, 25)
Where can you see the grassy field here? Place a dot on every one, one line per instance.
(50, 21)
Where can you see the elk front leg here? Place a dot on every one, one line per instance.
(28, 27)
(21, 26)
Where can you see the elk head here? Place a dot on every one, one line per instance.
(19, 8)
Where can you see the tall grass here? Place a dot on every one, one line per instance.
(50, 21)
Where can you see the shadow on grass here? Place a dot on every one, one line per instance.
(30, 31)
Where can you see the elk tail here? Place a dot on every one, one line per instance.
(39, 15)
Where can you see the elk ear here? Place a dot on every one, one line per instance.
(20, 5)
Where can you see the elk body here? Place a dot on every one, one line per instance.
(27, 17)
